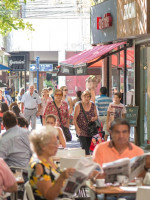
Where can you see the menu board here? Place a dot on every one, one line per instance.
(132, 115)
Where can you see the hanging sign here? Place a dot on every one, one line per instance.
(104, 22)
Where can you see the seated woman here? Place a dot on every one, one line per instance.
(51, 120)
(7, 179)
(45, 177)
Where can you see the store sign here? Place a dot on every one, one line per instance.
(17, 62)
(129, 11)
(104, 22)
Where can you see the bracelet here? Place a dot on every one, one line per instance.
(146, 169)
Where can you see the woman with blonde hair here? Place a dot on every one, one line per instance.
(45, 177)
(67, 99)
(80, 122)
(44, 101)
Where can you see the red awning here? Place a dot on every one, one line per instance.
(86, 58)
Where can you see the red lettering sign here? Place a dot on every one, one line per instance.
(105, 22)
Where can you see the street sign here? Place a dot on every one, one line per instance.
(42, 67)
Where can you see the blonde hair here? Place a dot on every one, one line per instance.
(40, 137)
(86, 92)
(62, 87)
(58, 90)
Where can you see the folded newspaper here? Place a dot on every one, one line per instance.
(83, 169)
(125, 166)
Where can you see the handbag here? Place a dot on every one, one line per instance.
(92, 128)
(66, 130)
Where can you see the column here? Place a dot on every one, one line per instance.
(148, 93)
(61, 57)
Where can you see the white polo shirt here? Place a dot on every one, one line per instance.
(31, 102)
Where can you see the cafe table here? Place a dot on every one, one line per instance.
(113, 190)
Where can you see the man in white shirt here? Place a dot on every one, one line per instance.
(30, 102)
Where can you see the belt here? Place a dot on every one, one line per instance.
(30, 108)
(103, 115)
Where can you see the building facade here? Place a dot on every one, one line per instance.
(60, 27)
(130, 23)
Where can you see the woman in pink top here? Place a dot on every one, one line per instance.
(7, 179)
(44, 101)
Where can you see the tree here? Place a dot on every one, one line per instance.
(9, 17)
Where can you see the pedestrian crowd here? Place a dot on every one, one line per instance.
(95, 120)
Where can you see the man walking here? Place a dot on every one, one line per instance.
(30, 102)
(102, 103)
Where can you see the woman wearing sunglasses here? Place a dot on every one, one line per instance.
(59, 108)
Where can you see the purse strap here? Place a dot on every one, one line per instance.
(84, 113)
(58, 112)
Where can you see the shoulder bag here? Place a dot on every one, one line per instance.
(92, 128)
(66, 130)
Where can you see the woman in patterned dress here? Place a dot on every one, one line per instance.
(80, 122)
(61, 105)
(45, 177)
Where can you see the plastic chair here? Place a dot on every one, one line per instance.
(74, 152)
(68, 162)
(143, 192)
(28, 194)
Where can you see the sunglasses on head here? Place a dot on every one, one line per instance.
(65, 89)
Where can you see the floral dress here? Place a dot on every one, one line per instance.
(49, 174)
(81, 121)
(51, 109)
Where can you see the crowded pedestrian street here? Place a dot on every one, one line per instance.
(75, 99)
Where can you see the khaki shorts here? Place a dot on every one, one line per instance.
(103, 120)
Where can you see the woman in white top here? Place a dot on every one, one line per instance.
(44, 101)
(51, 120)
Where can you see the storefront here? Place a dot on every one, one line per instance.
(133, 19)
(118, 69)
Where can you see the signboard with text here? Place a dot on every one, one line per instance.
(104, 22)
(42, 67)
(133, 18)
(132, 115)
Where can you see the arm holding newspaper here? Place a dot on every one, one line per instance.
(49, 190)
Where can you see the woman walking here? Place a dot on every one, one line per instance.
(80, 121)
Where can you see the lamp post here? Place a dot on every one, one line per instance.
(37, 67)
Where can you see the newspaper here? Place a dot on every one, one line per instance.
(83, 169)
(125, 166)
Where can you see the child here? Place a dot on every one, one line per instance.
(116, 110)
(51, 120)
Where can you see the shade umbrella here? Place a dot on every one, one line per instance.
(3, 67)
(2, 85)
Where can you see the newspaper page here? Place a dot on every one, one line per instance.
(125, 166)
(137, 165)
(118, 167)
(83, 169)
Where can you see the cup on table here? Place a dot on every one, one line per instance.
(139, 181)
(122, 180)
(100, 182)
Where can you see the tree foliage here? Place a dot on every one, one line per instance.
(9, 18)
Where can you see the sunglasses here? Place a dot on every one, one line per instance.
(65, 90)
(58, 94)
